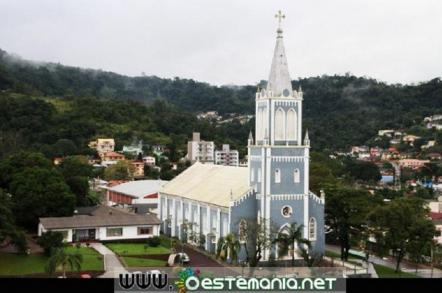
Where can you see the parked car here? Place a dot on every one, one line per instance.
(183, 257)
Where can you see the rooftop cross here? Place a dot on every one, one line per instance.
(280, 16)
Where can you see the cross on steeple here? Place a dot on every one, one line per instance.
(280, 16)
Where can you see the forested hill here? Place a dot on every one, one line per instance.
(57, 80)
(338, 110)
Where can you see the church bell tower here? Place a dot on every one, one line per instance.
(278, 158)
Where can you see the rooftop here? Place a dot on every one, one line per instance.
(139, 188)
(99, 216)
(214, 184)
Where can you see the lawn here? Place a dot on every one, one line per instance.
(143, 262)
(386, 272)
(136, 249)
(92, 260)
(17, 264)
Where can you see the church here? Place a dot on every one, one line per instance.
(213, 199)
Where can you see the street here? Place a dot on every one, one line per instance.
(423, 271)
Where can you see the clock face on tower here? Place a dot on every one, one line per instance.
(286, 92)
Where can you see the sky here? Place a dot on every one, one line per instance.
(230, 41)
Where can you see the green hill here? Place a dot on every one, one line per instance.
(45, 102)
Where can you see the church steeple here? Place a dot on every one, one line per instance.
(279, 80)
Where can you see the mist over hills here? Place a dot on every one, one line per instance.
(339, 111)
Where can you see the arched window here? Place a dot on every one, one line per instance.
(259, 174)
(292, 124)
(277, 176)
(252, 175)
(312, 229)
(279, 124)
(297, 176)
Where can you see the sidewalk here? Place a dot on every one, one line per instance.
(423, 271)
(112, 264)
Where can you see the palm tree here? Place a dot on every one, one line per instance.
(287, 237)
(60, 258)
(229, 247)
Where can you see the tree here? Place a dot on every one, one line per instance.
(323, 171)
(38, 192)
(64, 147)
(258, 236)
(229, 248)
(365, 171)
(345, 214)
(76, 172)
(402, 226)
(122, 170)
(50, 241)
(75, 166)
(61, 259)
(8, 229)
(17, 162)
(286, 239)
(430, 171)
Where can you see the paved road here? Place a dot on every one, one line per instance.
(112, 264)
(423, 271)
(199, 259)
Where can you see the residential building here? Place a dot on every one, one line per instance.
(410, 138)
(273, 190)
(434, 156)
(359, 149)
(429, 144)
(209, 115)
(436, 218)
(102, 223)
(412, 163)
(138, 168)
(103, 145)
(110, 158)
(386, 132)
(149, 160)
(134, 149)
(226, 156)
(200, 150)
(158, 149)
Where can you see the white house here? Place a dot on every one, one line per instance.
(102, 223)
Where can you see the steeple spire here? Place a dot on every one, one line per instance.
(250, 140)
(279, 80)
(306, 139)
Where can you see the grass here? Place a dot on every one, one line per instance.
(143, 262)
(386, 272)
(332, 254)
(18, 264)
(92, 260)
(136, 249)
(12, 264)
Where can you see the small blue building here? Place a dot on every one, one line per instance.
(273, 189)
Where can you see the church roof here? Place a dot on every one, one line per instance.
(279, 80)
(214, 184)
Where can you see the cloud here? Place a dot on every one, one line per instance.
(229, 41)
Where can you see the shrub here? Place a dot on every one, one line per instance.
(50, 241)
(154, 241)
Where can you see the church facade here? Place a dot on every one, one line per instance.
(273, 189)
